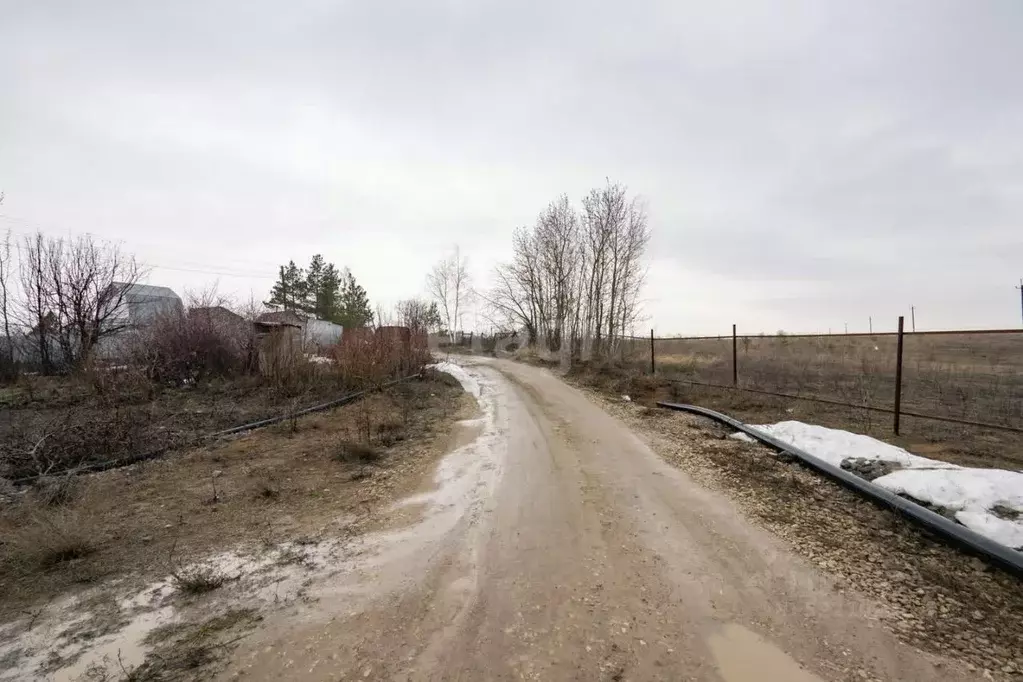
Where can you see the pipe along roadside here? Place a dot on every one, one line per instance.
(134, 459)
(949, 531)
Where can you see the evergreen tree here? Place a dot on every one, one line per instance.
(322, 291)
(313, 281)
(323, 284)
(329, 294)
(353, 304)
(289, 292)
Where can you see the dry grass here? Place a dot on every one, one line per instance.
(199, 579)
(46, 540)
(351, 452)
(272, 485)
(185, 378)
(967, 376)
(56, 491)
(976, 377)
(182, 651)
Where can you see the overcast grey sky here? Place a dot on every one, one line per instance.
(806, 164)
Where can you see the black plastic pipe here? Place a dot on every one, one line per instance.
(135, 459)
(960, 536)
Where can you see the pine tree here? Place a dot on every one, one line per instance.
(353, 304)
(313, 282)
(323, 284)
(327, 299)
(289, 292)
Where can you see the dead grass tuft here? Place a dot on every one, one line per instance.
(48, 540)
(268, 490)
(199, 579)
(354, 452)
(56, 491)
(181, 651)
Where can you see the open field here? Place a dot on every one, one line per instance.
(966, 376)
(975, 377)
(270, 493)
(956, 443)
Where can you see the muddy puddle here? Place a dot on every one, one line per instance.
(742, 655)
(108, 631)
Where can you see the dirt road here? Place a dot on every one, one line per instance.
(558, 546)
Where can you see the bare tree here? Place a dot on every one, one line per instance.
(384, 318)
(575, 279)
(249, 309)
(449, 285)
(418, 314)
(36, 297)
(75, 295)
(616, 235)
(7, 352)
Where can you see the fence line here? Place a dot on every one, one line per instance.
(823, 335)
(871, 408)
(897, 411)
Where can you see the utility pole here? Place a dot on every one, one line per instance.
(1020, 287)
(912, 316)
(847, 328)
(870, 321)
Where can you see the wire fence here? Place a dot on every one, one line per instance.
(972, 377)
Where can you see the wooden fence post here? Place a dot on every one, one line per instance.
(898, 375)
(735, 354)
(652, 370)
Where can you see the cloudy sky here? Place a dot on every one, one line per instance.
(806, 164)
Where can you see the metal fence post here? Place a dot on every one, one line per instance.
(735, 356)
(652, 371)
(898, 375)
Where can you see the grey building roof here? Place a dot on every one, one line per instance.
(147, 291)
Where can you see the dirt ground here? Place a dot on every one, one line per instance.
(269, 493)
(66, 422)
(932, 596)
(563, 535)
(562, 547)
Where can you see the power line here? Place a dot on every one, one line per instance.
(193, 266)
(211, 272)
(55, 231)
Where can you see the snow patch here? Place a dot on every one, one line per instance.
(469, 382)
(972, 493)
(978, 498)
(835, 446)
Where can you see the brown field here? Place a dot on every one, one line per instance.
(975, 377)
(56, 424)
(285, 486)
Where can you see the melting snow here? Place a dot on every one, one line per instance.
(469, 383)
(981, 499)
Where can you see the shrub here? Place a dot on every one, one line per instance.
(181, 349)
(75, 440)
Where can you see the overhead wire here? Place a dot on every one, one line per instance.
(181, 265)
